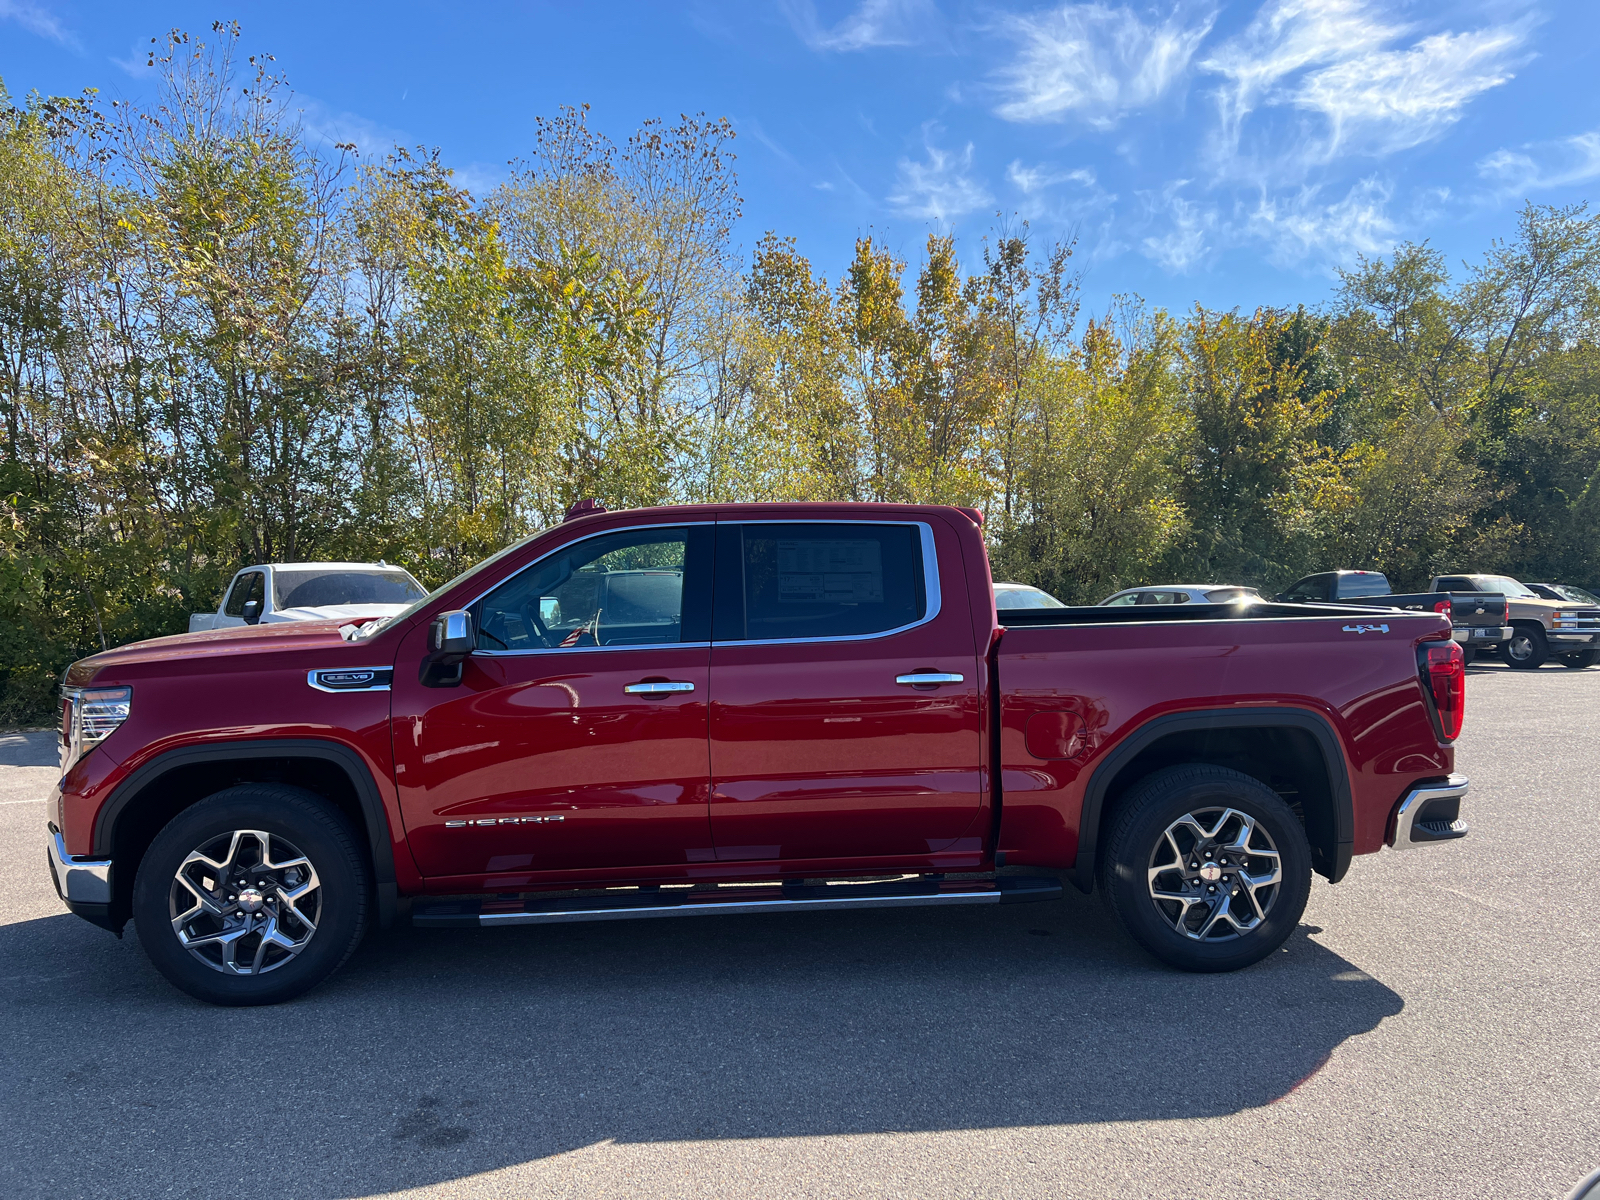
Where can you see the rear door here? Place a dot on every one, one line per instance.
(845, 717)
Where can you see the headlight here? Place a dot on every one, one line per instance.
(88, 717)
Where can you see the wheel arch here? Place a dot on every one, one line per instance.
(169, 783)
(1294, 751)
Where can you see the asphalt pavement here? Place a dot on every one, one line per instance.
(1431, 1030)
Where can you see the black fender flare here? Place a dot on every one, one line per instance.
(373, 815)
(1146, 735)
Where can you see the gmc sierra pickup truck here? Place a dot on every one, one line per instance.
(741, 709)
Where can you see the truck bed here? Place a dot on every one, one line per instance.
(1084, 689)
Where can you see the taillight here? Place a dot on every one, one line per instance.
(1446, 675)
(1442, 608)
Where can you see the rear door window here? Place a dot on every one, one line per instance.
(793, 581)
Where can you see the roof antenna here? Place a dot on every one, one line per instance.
(586, 507)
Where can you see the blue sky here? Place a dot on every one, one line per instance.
(1226, 153)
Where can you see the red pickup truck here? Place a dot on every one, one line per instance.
(736, 709)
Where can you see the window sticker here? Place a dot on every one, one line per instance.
(830, 571)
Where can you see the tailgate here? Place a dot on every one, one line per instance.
(1477, 608)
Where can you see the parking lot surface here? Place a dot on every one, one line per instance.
(1432, 1030)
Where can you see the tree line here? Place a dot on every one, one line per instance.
(221, 343)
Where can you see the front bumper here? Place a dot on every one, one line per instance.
(84, 883)
(1430, 813)
(1486, 635)
(1566, 638)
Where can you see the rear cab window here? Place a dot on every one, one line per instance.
(1362, 584)
(802, 581)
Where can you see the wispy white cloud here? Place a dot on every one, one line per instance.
(480, 178)
(1303, 227)
(1029, 180)
(1541, 165)
(873, 23)
(754, 128)
(1300, 227)
(323, 124)
(1346, 63)
(1188, 233)
(941, 187)
(1095, 63)
(137, 64)
(36, 18)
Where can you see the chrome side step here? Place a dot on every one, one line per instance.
(732, 900)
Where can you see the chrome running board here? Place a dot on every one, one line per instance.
(729, 900)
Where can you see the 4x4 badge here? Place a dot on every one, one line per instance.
(1366, 629)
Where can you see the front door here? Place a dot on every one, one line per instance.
(577, 740)
(822, 744)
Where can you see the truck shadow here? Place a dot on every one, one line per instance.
(438, 1054)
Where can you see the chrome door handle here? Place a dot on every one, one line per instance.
(923, 678)
(662, 688)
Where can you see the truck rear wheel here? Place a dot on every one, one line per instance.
(1527, 648)
(1206, 868)
(252, 896)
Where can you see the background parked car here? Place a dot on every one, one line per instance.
(1566, 630)
(1565, 591)
(1477, 618)
(1184, 593)
(315, 591)
(1022, 595)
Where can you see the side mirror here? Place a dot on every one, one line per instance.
(450, 635)
(450, 639)
(252, 612)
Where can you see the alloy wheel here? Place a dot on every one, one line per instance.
(1520, 647)
(1214, 874)
(245, 902)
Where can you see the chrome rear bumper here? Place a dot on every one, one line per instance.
(1430, 813)
(1469, 635)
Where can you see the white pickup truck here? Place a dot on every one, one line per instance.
(311, 591)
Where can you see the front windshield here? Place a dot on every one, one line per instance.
(412, 610)
(316, 588)
(1576, 594)
(1503, 584)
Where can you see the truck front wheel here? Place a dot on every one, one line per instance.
(252, 896)
(1206, 868)
(1527, 648)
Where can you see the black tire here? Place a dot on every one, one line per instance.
(1467, 653)
(1527, 650)
(299, 827)
(1138, 843)
(1583, 658)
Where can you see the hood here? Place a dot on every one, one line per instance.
(343, 613)
(207, 646)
